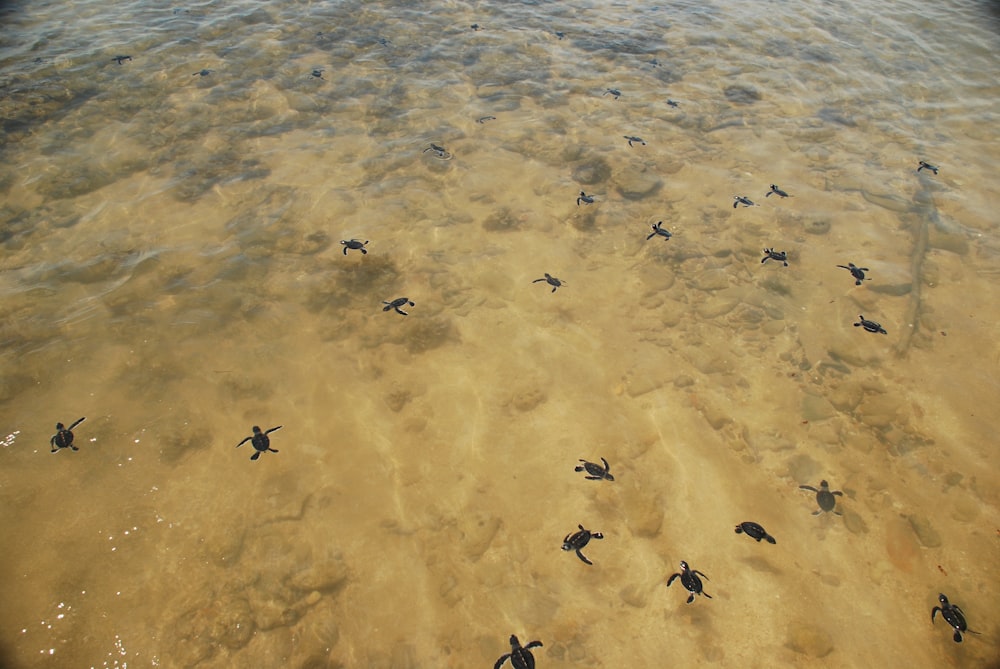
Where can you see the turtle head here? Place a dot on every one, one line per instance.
(684, 565)
(943, 599)
(256, 429)
(59, 426)
(514, 642)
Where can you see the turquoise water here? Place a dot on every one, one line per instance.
(171, 269)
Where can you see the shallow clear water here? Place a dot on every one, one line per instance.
(171, 269)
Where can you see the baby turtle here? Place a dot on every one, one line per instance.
(577, 540)
(520, 656)
(755, 531)
(551, 280)
(673, 103)
(612, 91)
(776, 191)
(594, 471)
(397, 303)
(952, 615)
(690, 581)
(870, 326)
(824, 497)
(484, 119)
(63, 438)
(771, 254)
(586, 199)
(925, 165)
(658, 229)
(857, 272)
(318, 73)
(202, 73)
(637, 140)
(354, 244)
(122, 59)
(476, 27)
(438, 151)
(260, 441)
(745, 201)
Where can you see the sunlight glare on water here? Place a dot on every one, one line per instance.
(177, 184)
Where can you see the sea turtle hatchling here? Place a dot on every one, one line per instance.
(121, 59)
(953, 615)
(354, 244)
(520, 656)
(595, 472)
(439, 152)
(826, 498)
(754, 531)
(857, 272)
(870, 326)
(613, 92)
(775, 191)
(658, 229)
(745, 201)
(575, 541)
(63, 438)
(690, 581)
(771, 254)
(260, 441)
(924, 165)
(586, 199)
(637, 140)
(397, 303)
(551, 280)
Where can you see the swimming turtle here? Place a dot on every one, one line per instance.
(121, 59)
(520, 656)
(484, 119)
(637, 140)
(318, 73)
(438, 151)
(771, 254)
(658, 229)
(870, 326)
(586, 199)
(355, 244)
(954, 616)
(575, 541)
(690, 581)
(551, 280)
(202, 73)
(857, 272)
(754, 531)
(612, 91)
(397, 303)
(63, 438)
(594, 471)
(776, 191)
(925, 165)
(673, 103)
(745, 201)
(824, 497)
(260, 441)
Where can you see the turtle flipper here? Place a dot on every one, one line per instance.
(770, 539)
(583, 557)
(273, 450)
(255, 455)
(957, 637)
(817, 512)
(77, 422)
(671, 579)
(690, 598)
(502, 659)
(245, 440)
